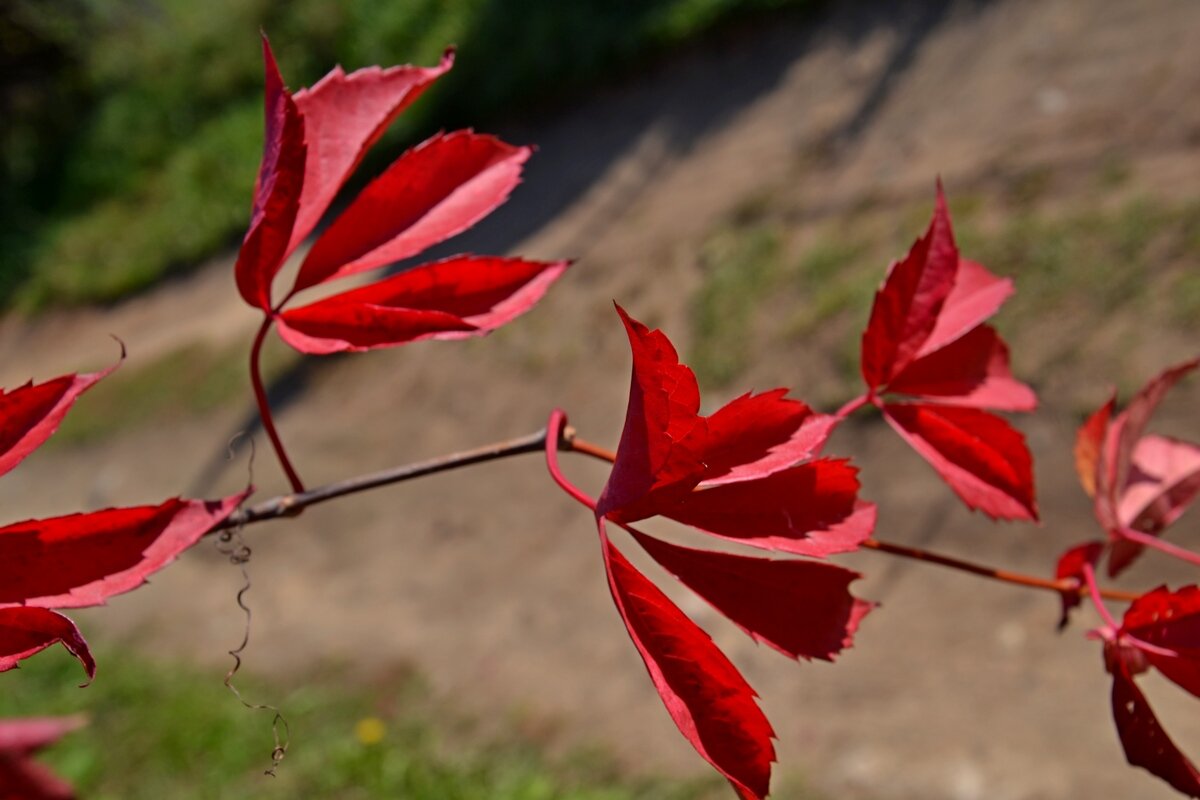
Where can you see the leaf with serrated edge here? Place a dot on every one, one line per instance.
(1130, 424)
(27, 630)
(983, 459)
(1170, 621)
(709, 700)
(667, 448)
(434, 191)
(1114, 473)
(277, 193)
(973, 371)
(30, 414)
(655, 453)
(83, 559)
(756, 435)
(975, 296)
(344, 115)
(1163, 480)
(906, 307)
(451, 299)
(811, 509)
(803, 609)
(1145, 742)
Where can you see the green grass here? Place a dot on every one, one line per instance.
(740, 265)
(1101, 260)
(162, 730)
(759, 286)
(830, 277)
(131, 152)
(192, 381)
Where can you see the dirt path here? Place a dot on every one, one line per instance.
(489, 582)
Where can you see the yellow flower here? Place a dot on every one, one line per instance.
(370, 730)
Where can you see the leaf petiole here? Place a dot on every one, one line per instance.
(264, 406)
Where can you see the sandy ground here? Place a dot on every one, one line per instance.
(489, 583)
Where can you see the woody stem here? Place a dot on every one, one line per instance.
(929, 557)
(984, 571)
(560, 436)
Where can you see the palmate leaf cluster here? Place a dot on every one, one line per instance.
(164, 125)
(753, 473)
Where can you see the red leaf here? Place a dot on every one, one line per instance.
(1163, 481)
(1169, 620)
(705, 695)
(906, 307)
(982, 458)
(461, 296)
(803, 609)
(1070, 565)
(21, 778)
(1161, 487)
(655, 452)
(811, 509)
(970, 371)
(437, 189)
(926, 339)
(1130, 424)
(25, 631)
(344, 116)
(30, 734)
(277, 194)
(756, 435)
(975, 296)
(1146, 744)
(667, 448)
(1089, 441)
(30, 414)
(83, 559)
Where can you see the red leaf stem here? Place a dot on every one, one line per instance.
(1163, 546)
(554, 429)
(264, 406)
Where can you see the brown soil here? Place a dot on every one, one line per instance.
(489, 582)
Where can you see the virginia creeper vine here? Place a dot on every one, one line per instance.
(753, 472)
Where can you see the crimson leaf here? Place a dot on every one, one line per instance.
(1145, 742)
(803, 609)
(982, 458)
(432, 192)
(83, 559)
(22, 778)
(277, 193)
(26, 630)
(30, 414)
(710, 702)
(344, 115)
(906, 307)
(461, 296)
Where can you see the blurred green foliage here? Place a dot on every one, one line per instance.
(132, 129)
(162, 730)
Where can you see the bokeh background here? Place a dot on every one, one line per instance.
(739, 172)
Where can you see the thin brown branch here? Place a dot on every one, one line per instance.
(1017, 578)
(573, 442)
(903, 551)
(289, 505)
(292, 504)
